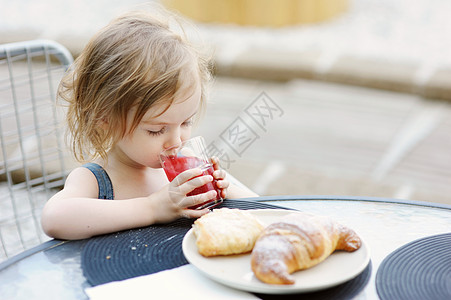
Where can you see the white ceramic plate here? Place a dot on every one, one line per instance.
(235, 270)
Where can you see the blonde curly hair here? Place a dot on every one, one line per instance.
(136, 61)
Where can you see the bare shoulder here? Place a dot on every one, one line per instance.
(81, 182)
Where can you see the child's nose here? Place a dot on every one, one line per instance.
(172, 141)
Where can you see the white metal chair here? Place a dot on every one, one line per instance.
(33, 158)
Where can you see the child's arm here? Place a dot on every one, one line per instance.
(75, 213)
(228, 189)
(234, 192)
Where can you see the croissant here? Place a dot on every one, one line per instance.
(298, 242)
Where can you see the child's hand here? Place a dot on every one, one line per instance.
(172, 201)
(220, 175)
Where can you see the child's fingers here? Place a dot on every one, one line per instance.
(194, 183)
(199, 199)
(195, 213)
(187, 175)
(215, 162)
(222, 184)
(219, 174)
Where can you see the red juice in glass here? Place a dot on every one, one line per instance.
(176, 165)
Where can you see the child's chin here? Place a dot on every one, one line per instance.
(155, 166)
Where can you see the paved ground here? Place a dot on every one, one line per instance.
(319, 138)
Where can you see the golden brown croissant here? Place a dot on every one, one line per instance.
(298, 242)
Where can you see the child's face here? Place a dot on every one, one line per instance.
(154, 134)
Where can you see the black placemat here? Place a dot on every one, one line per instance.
(148, 250)
(143, 251)
(418, 270)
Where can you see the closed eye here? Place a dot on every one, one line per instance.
(188, 122)
(155, 133)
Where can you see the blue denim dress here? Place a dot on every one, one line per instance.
(103, 180)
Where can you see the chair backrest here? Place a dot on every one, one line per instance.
(33, 158)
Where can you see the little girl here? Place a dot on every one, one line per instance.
(134, 91)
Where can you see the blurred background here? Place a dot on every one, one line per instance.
(336, 97)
